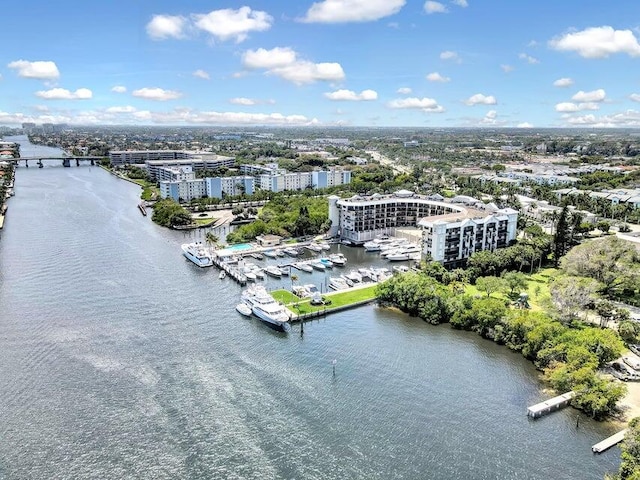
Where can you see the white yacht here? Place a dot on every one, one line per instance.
(266, 308)
(305, 267)
(372, 246)
(338, 259)
(398, 256)
(273, 271)
(338, 283)
(244, 309)
(198, 254)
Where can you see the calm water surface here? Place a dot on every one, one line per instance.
(121, 360)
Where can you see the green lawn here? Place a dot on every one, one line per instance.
(204, 220)
(538, 289)
(338, 299)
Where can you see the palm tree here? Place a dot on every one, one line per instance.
(211, 239)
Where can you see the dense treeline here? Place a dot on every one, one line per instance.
(169, 213)
(288, 217)
(569, 356)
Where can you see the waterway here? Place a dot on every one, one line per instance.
(119, 359)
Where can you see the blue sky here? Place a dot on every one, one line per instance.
(447, 63)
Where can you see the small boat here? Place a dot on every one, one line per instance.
(273, 271)
(314, 247)
(259, 273)
(326, 262)
(338, 283)
(257, 256)
(318, 265)
(398, 256)
(284, 270)
(324, 245)
(372, 246)
(222, 274)
(250, 276)
(244, 309)
(280, 253)
(305, 267)
(354, 276)
(292, 252)
(338, 259)
(270, 253)
(400, 269)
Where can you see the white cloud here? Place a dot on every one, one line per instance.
(201, 74)
(593, 96)
(342, 11)
(268, 59)
(635, 97)
(528, 58)
(524, 125)
(506, 68)
(434, 7)
(64, 94)
(166, 26)
(243, 101)
(302, 71)
(119, 89)
(125, 109)
(436, 77)
(449, 55)
(598, 42)
(156, 94)
(350, 95)
(480, 99)
(44, 70)
(404, 90)
(460, 3)
(576, 107)
(230, 24)
(628, 118)
(563, 82)
(424, 104)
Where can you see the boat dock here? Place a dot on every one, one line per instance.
(230, 270)
(326, 311)
(551, 405)
(607, 443)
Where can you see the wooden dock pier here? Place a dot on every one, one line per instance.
(230, 270)
(551, 405)
(607, 443)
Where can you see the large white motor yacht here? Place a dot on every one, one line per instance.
(198, 254)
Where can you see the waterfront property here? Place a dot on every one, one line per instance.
(451, 231)
(155, 159)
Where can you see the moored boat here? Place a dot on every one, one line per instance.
(244, 309)
(273, 271)
(266, 308)
(198, 254)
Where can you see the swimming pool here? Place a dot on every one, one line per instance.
(240, 246)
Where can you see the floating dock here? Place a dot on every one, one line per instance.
(607, 443)
(551, 405)
(231, 271)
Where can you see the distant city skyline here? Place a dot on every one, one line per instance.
(449, 63)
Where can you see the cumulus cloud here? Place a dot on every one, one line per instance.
(162, 27)
(243, 101)
(350, 95)
(343, 11)
(201, 74)
(303, 71)
(424, 104)
(284, 62)
(635, 97)
(524, 125)
(449, 55)
(434, 7)
(490, 118)
(506, 68)
(460, 3)
(563, 82)
(227, 24)
(569, 107)
(158, 94)
(436, 77)
(481, 99)
(528, 58)
(119, 89)
(64, 94)
(267, 59)
(404, 91)
(598, 42)
(42, 70)
(628, 118)
(593, 96)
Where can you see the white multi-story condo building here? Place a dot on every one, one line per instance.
(183, 190)
(196, 162)
(451, 232)
(186, 189)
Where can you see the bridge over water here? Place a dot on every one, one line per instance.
(66, 160)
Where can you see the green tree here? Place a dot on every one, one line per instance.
(562, 236)
(489, 284)
(515, 282)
